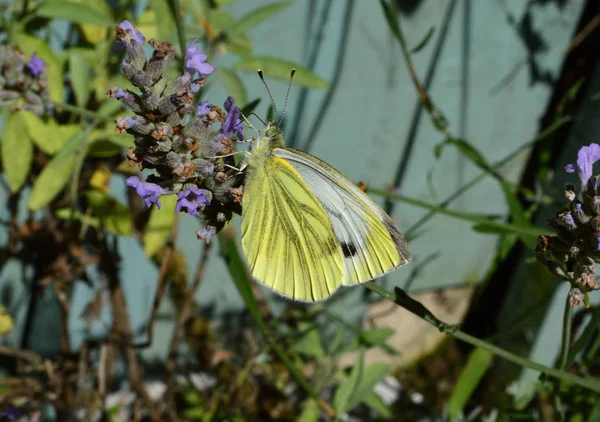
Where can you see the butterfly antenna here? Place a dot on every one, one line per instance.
(262, 78)
(287, 94)
(250, 125)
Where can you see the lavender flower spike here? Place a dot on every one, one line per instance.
(137, 35)
(192, 199)
(586, 157)
(36, 65)
(148, 191)
(194, 61)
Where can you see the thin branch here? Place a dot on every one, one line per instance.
(162, 281)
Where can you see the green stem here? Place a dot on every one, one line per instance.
(524, 230)
(401, 298)
(82, 112)
(566, 335)
(179, 25)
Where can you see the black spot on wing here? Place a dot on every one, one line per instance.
(349, 249)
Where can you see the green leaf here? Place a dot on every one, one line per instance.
(109, 144)
(392, 20)
(70, 214)
(374, 337)
(48, 135)
(259, 15)
(310, 344)
(310, 411)
(239, 44)
(595, 413)
(115, 217)
(159, 225)
(424, 41)
(347, 391)
(164, 18)
(233, 84)
(55, 175)
(466, 149)
(220, 21)
(250, 107)
(80, 78)
(17, 151)
(471, 375)
(29, 45)
(373, 401)
(280, 69)
(371, 376)
(585, 338)
(74, 12)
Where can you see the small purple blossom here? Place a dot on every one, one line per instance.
(232, 124)
(36, 65)
(148, 191)
(586, 157)
(137, 35)
(194, 61)
(119, 94)
(203, 108)
(10, 413)
(206, 233)
(126, 122)
(192, 199)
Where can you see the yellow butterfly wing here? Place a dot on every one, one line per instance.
(371, 243)
(287, 237)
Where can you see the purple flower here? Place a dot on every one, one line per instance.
(206, 233)
(148, 191)
(10, 413)
(203, 108)
(232, 124)
(119, 94)
(137, 35)
(192, 199)
(194, 61)
(36, 65)
(126, 122)
(586, 157)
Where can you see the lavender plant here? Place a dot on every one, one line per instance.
(23, 83)
(574, 252)
(175, 137)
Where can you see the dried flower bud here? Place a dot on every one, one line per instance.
(576, 297)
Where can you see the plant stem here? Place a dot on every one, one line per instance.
(401, 298)
(82, 112)
(566, 335)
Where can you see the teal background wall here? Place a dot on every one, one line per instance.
(488, 67)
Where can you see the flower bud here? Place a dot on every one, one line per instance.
(575, 297)
(570, 192)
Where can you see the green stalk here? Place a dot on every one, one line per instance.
(401, 298)
(566, 335)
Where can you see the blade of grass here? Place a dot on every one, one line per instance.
(242, 279)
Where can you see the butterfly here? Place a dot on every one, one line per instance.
(306, 229)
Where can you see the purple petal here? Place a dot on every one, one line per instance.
(36, 65)
(194, 61)
(203, 108)
(586, 157)
(192, 199)
(148, 191)
(570, 168)
(137, 35)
